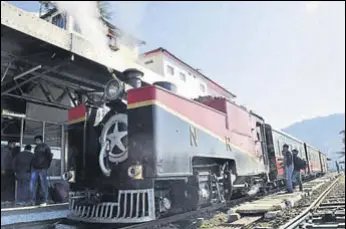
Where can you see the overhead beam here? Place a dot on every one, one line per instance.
(63, 84)
(61, 96)
(27, 72)
(5, 73)
(39, 101)
(46, 92)
(71, 98)
(67, 75)
(34, 77)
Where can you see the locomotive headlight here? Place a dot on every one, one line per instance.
(69, 176)
(113, 89)
(135, 172)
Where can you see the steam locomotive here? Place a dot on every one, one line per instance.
(156, 153)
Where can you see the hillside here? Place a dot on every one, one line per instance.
(321, 132)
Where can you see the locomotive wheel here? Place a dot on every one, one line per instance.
(192, 193)
(228, 185)
(228, 181)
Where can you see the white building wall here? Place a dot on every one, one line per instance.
(153, 62)
(190, 87)
(188, 84)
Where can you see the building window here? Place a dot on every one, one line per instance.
(59, 20)
(170, 70)
(182, 76)
(202, 87)
(149, 62)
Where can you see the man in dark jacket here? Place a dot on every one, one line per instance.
(40, 164)
(7, 175)
(288, 166)
(299, 164)
(22, 169)
(337, 167)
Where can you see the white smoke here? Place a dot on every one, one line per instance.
(129, 15)
(87, 17)
(254, 190)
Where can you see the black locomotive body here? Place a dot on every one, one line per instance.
(164, 154)
(177, 155)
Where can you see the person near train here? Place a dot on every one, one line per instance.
(298, 164)
(288, 167)
(40, 164)
(337, 167)
(7, 174)
(22, 169)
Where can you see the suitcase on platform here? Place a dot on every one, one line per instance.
(58, 192)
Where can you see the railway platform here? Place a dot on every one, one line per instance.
(37, 214)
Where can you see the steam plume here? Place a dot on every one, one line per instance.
(87, 16)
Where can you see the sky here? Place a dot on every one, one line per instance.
(283, 60)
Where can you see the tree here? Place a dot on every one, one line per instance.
(103, 7)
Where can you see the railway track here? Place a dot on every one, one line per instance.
(172, 219)
(261, 220)
(327, 211)
(192, 216)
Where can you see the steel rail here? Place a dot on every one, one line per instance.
(185, 215)
(304, 214)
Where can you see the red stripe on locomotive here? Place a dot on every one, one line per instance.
(77, 112)
(221, 117)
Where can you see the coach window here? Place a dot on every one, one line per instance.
(279, 149)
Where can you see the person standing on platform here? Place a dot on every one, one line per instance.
(22, 168)
(7, 174)
(337, 167)
(298, 165)
(40, 164)
(288, 166)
